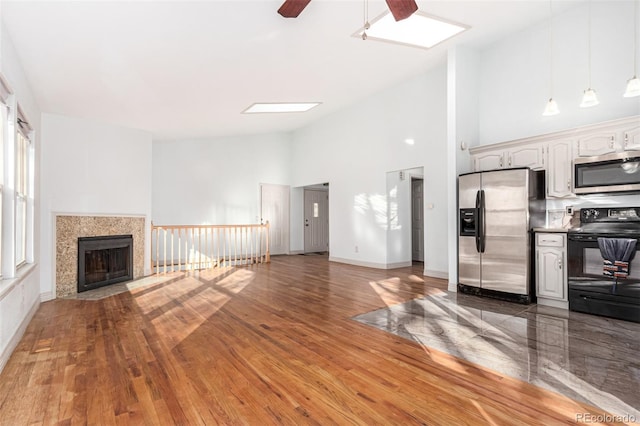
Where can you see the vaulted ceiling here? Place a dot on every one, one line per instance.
(182, 69)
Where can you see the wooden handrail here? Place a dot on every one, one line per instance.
(194, 247)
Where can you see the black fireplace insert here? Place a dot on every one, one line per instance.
(104, 260)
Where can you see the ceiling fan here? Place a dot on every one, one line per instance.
(400, 9)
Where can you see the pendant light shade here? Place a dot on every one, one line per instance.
(589, 98)
(551, 108)
(633, 87)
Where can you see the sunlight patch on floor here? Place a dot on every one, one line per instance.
(181, 309)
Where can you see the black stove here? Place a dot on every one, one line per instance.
(589, 290)
(617, 222)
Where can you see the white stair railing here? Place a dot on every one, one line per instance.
(194, 247)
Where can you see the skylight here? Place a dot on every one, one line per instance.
(280, 107)
(419, 30)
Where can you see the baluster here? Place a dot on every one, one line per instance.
(267, 254)
(235, 246)
(218, 239)
(157, 250)
(260, 246)
(206, 249)
(199, 248)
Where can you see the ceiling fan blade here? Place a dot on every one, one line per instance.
(292, 8)
(402, 9)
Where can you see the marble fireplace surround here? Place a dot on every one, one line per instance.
(68, 228)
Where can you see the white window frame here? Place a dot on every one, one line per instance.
(22, 162)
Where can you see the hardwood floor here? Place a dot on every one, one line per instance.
(268, 344)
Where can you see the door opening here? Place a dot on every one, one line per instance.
(417, 220)
(316, 219)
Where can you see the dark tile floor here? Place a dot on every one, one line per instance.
(588, 358)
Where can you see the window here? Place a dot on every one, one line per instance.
(23, 146)
(3, 126)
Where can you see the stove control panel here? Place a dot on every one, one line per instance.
(614, 214)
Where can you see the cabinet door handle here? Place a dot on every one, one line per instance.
(626, 139)
(569, 184)
(611, 143)
(500, 161)
(559, 264)
(509, 160)
(543, 155)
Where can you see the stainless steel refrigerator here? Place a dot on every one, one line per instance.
(497, 210)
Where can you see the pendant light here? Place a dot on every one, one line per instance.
(365, 13)
(633, 85)
(590, 98)
(552, 106)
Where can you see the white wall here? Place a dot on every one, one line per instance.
(355, 148)
(514, 73)
(91, 168)
(19, 294)
(216, 181)
(462, 127)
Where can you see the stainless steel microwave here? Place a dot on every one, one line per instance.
(616, 172)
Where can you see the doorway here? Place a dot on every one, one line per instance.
(316, 220)
(417, 220)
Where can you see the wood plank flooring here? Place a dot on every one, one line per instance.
(267, 344)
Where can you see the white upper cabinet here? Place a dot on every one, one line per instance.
(631, 138)
(531, 156)
(598, 143)
(560, 169)
(488, 161)
(555, 152)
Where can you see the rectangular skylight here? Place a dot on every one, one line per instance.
(280, 107)
(418, 30)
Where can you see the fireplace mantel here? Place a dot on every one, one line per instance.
(68, 228)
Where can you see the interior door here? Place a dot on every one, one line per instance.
(316, 220)
(417, 220)
(274, 207)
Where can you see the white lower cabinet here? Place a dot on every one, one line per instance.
(551, 274)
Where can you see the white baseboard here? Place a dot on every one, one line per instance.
(6, 354)
(554, 303)
(453, 287)
(398, 265)
(292, 252)
(358, 262)
(46, 296)
(435, 274)
(370, 264)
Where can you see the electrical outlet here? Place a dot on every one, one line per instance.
(569, 210)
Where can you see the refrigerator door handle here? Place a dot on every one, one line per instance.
(477, 230)
(482, 221)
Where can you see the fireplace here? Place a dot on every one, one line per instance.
(104, 260)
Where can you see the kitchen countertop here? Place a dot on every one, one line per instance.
(550, 230)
